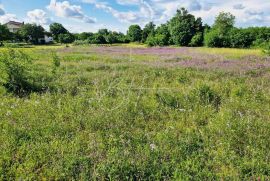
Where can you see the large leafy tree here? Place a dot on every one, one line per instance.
(32, 32)
(224, 22)
(135, 33)
(103, 32)
(149, 29)
(183, 26)
(66, 38)
(4, 33)
(56, 29)
(219, 35)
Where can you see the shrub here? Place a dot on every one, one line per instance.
(17, 66)
(80, 42)
(214, 39)
(56, 62)
(66, 38)
(151, 41)
(197, 40)
(208, 96)
(18, 75)
(266, 49)
(239, 38)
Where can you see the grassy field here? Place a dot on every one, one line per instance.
(136, 113)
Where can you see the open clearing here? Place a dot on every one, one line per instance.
(136, 113)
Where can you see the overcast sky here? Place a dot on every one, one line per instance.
(91, 15)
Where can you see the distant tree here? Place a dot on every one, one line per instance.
(17, 37)
(84, 35)
(164, 34)
(121, 38)
(97, 39)
(160, 38)
(224, 22)
(183, 27)
(135, 33)
(32, 33)
(147, 30)
(66, 38)
(240, 38)
(218, 35)
(4, 34)
(104, 32)
(56, 29)
(111, 37)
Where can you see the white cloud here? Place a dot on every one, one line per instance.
(66, 10)
(38, 16)
(8, 17)
(142, 16)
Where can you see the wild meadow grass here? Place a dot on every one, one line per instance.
(109, 115)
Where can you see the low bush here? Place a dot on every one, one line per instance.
(197, 40)
(266, 49)
(19, 76)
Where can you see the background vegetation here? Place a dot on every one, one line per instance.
(182, 30)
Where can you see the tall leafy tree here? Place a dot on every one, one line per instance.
(219, 35)
(147, 30)
(183, 27)
(224, 22)
(32, 32)
(135, 33)
(56, 29)
(103, 32)
(4, 34)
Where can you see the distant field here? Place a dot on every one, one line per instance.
(138, 113)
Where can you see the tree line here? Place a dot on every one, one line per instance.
(184, 29)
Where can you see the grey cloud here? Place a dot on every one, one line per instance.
(239, 6)
(254, 13)
(194, 5)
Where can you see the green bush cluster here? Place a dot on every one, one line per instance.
(20, 77)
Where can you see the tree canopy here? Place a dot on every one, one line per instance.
(4, 33)
(134, 33)
(56, 29)
(32, 33)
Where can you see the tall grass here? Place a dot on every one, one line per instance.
(127, 120)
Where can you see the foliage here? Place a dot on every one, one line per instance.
(56, 29)
(66, 38)
(224, 22)
(15, 66)
(240, 38)
(85, 35)
(197, 40)
(266, 49)
(149, 29)
(97, 39)
(4, 34)
(32, 33)
(219, 36)
(134, 33)
(183, 27)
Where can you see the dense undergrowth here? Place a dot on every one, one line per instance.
(109, 119)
